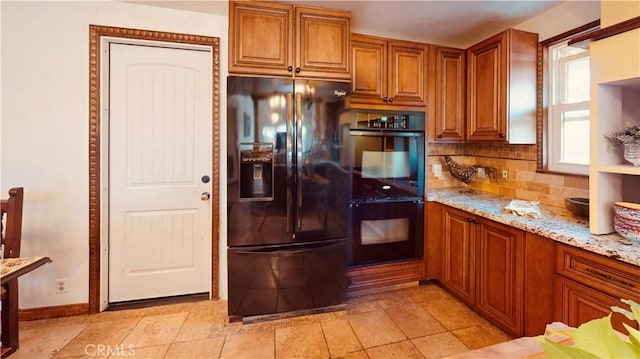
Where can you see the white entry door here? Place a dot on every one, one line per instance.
(160, 140)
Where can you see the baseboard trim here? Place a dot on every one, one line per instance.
(58, 311)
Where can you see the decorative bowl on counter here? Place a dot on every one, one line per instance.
(579, 207)
(626, 219)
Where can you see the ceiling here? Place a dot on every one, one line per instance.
(442, 22)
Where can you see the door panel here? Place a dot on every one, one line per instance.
(260, 110)
(323, 184)
(159, 148)
(458, 261)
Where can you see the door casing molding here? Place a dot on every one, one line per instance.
(96, 34)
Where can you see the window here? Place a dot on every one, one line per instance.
(568, 110)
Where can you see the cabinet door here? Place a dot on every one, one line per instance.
(260, 38)
(487, 90)
(458, 253)
(577, 304)
(499, 274)
(450, 94)
(322, 43)
(406, 82)
(369, 79)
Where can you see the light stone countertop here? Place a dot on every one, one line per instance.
(556, 223)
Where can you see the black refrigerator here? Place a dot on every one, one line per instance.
(288, 195)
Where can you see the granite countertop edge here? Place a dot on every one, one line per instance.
(556, 223)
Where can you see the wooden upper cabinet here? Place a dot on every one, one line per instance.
(501, 88)
(369, 58)
(388, 72)
(449, 94)
(276, 39)
(323, 39)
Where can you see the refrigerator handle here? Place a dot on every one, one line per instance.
(300, 164)
(289, 157)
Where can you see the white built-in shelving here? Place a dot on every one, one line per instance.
(615, 98)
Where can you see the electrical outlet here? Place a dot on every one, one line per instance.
(61, 285)
(481, 173)
(505, 174)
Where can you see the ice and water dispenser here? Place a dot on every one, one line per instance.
(256, 171)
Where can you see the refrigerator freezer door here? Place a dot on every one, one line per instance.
(278, 279)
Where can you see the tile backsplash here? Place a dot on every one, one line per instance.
(521, 182)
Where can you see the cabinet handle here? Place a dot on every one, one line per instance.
(439, 136)
(390, 99)
(297, 70)
(608, 277)
(290, 68)
(501, 135)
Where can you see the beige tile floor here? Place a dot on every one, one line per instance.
(411, 322)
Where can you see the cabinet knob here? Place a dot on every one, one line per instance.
(385, 99)
(290, 68)
(297, 70)
(501, 135)
(390, 99)
(439, 136)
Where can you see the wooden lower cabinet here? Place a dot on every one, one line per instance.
(577, 304)
(458, 254)
(499, 278)
(539, 274)
(483, 266)
(588, 285)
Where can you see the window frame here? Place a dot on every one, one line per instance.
(545, 143)
(557, 107)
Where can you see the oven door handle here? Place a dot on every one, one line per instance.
(385, 133)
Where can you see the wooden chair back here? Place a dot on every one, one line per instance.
(11, 222)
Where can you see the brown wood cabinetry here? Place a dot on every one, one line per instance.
(387, 72)
(275, 39)
(450, 88)
(539, 273)
(383, 275)
(501, 88)
(587, 285)
(458, 253)
(483, 266)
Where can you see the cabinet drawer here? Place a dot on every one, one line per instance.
(615, 278)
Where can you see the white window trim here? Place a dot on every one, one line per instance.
(555, 110)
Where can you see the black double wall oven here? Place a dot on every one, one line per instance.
(385, 151)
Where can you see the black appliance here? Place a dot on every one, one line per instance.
(385, 150)
(288, 196)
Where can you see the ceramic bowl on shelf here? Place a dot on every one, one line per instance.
(579, 207)
(626, 219)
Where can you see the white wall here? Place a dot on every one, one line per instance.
(562, 18)
(44, 127)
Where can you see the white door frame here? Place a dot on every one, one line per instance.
(100, 37)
